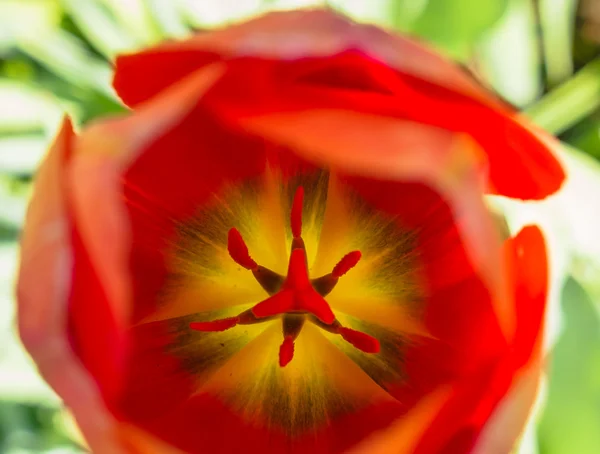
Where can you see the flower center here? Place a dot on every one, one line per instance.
(295, 298)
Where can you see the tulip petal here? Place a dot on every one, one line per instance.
(95, 187)
(138, 441)
(406, 433)
(168, 360)
(95, 177)
(506, 424)
(43, 295)
(528, 259)
(307, 400)
(126, 137)
(449, 92)
(318, 369)
(286, 36)
(512, 378)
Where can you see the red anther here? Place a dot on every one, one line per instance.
(239, 251)
(215, 325)
(362, 341)
(296, 216)
(348, 262)
(286, 351)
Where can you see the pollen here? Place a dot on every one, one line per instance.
(294, 298)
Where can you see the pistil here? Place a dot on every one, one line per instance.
(294, 298)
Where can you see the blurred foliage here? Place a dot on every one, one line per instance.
(541, 55)
(571, 418)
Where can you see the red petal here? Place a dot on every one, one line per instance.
(204, 420)
(45, 282)
(274, 36)
(461, 422)
(138, 77)
(527, 255)
(170, 182)
(423, 86)
(508, 142)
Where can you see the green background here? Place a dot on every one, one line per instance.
(541, 55)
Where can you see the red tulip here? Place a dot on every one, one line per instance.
(285, 248)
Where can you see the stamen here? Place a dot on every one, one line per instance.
(360, 340)
(223, 324)
(238, 250)
(348, 262)
(325, 284)
(292, 325)
(296, 215)
(363, 341)
(286, 351)
(269, 280)
(215, 325)
(294, 298)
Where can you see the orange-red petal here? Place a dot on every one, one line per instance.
(422, 85)
(43, 297)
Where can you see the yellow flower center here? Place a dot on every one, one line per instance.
(295, 298)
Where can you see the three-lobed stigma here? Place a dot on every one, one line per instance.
(294, 298)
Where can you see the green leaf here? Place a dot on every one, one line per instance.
(26, 109)
(455, 25)
(169, 19)
(211, 14)
(19, 381)
(65, 56)
(27, 18)
(20, 155)
(557, 20)
(100, 27)
(572, 415)
(390, 13)
(13, 200)
(509, 55)
(569, 103)
(585, 135)
(134, 15)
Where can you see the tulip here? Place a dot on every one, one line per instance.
(285, 247)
